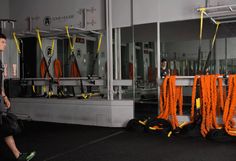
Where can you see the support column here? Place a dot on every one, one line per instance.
(118, 60)
(158, 60)
(133, 48)
(109, 50)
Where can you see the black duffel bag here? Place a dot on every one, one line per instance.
(9, 125)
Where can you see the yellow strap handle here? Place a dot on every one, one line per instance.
(198, 103)
(169, 134)
(142, 122)
(85, 96)
(44, 89)
(99, 43)
(39, 39)
(72, 46)
(202, 10)
(214, 38)
(183, 124)
(33, 88)
(17, 43)
(50, 94)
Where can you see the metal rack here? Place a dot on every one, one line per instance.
(73, 81)
(188, 80)
(60, 33)
(223, 14)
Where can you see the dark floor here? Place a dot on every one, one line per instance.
(61, 142)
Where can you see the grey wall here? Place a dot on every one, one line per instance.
(148, 11)
(121, 13)
(4, 9)
(170, 10)
(144, 11)
(154, 10)
(61, 13)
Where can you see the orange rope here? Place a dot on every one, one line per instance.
(179, 99)
(228, 99)
(168, 103)
(74, 71)
(212, 99)
(193, 96)
(230, 109)
(220, 105)
(43, 66)
(203, 106)
(57, 68)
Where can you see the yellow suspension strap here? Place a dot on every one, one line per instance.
(206, 65)
(99, 43)
(97, 53)
(71, 42)
(202, 11)
(52, 48)
(41, 47)
(216, 31)
(40, 42)
(50, 92)
(39, 39)
(72, 46)
(17, 43)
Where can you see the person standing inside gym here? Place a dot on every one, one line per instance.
(164, 69)
(9, 140)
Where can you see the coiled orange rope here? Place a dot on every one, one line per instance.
(229, 108)
(209, 99)
(170, 95)
(213, 100)
(194, 88)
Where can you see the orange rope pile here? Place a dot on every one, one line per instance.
(208, 103)
(213, 102)
(169, 96)
(229, 107)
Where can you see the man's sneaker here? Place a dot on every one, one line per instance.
(26, 156)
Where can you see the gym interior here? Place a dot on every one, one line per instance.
(85, 79)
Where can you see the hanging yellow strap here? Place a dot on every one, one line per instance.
(52, 49)
(17, 43)
(99, 43)
(71, 43)
(202, 10)
(40, 42)
(39, 39)
(214, 38)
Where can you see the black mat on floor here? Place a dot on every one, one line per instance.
(60, 142)
(49, 139)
